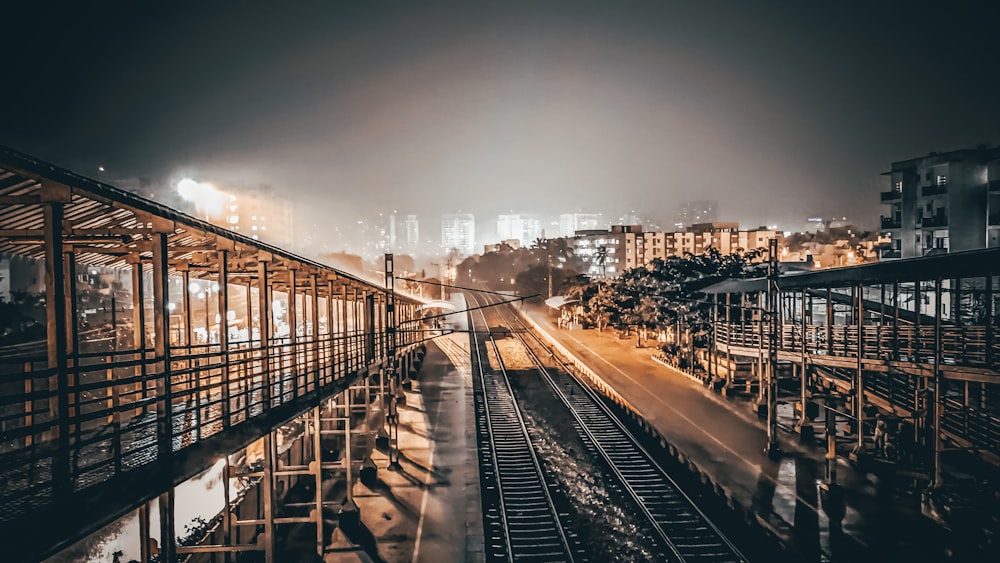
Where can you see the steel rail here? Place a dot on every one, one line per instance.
(525, 523)
(684, 528)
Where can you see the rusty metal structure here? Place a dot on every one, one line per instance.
(203, 342)
(914, 340)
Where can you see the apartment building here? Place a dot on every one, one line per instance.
(607, 253)
(942, 202)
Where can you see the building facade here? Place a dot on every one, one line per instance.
(608, 253)
(525, 228)
(570, 223)
(942, 202)
(458, 230)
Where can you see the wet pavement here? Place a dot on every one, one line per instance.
(724, 439)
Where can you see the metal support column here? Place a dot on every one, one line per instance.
(290, 352)
(859, 382)
(267, 497)
(937, 399)
(729, 340)
(164, 393)
(803, 375)
(773, 296)
(317, 470)
(139, 329)
(392, 419)
(313, 350)
(224, 335)
(168, 540)
(57, 331)
(144, 554)
(264, 313)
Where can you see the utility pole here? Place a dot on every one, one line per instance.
(773, 313)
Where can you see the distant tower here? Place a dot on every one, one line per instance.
(412, 229)
(458, 230)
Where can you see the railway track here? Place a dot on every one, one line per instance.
(520, 520)
(685, 533)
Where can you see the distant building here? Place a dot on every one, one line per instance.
(609, 253)
(512, 244)
(411, 229)
(947, 202)
(525, 228)
(458, 230)
(570, 223)
(703, 211)
(260, 214)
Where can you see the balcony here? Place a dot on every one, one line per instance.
(934, 222)
(891, 195)
(936, 189)
(890, 223)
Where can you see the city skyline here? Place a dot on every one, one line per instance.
(764, 108)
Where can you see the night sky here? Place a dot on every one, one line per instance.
(778, 110)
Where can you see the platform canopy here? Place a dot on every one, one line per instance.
(439, 304)
(560, 301)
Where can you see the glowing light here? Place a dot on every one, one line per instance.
(207, 198)
(171, 307)
(193, 287)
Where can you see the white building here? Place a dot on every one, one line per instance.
(570, 223)
(458, 230)
(411, 229)
(520, 227)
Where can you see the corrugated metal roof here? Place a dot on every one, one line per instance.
(974, 263)
(96, 206)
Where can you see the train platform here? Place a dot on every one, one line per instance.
(723, 440)
(429, 508)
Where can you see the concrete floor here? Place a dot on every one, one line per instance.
(429, 510)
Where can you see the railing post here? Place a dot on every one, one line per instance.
(313, 351)
(223, 258)
(989, 321)
(938, 386)
(804, 382)
(829, 321)
(264, 313)
(859, 392)
(291, 354)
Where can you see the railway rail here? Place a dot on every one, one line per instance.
(682, 529)
(520, 520)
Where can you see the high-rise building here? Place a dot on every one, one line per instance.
(570, 223)
(260, 214)
(458, 230)
(523, 228)
(943, 202)
(702, 211)
(411, 229)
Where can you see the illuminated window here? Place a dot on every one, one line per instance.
(941, 180)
